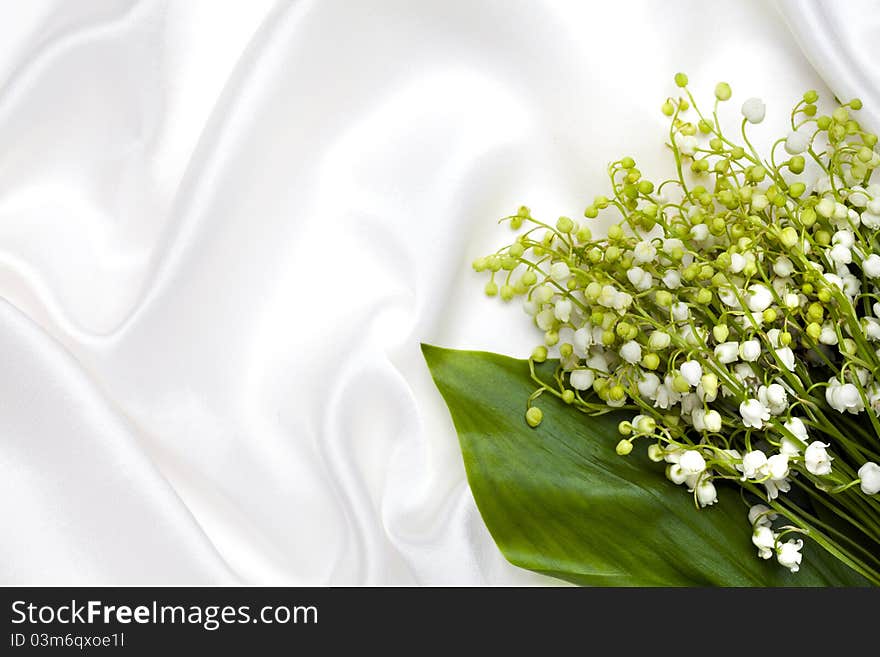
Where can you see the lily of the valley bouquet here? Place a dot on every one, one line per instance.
(719, 345)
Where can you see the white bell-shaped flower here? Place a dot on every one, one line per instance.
(562, 309)
(789, 554)
(727, 352)
(764, 539)
(582, 379)
(754, 110)
(692, 462)
(750, 350)
(691, 371)
(869, 474)
(706, 493)
(754, 465)
(816, 458)
(559, 271)
(759, 298)
(631, 352)
(644, 252)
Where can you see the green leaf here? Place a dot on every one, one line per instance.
(558, 499)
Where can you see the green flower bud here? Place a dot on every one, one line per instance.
(551, 337)
(681, 79)
(528, 278)
(815, 312)
(506, 292)
(564, 225)
(671, 420)
(534, 416)
(566, 349)
(656, 453)
(647, 424)
(568, 396)
(809, 110)
(824, 295)
(680, 384)
(508, 263)
(788, 237)
(480, 264)
(591, 212)
(491, 289)
(856, 104)
(848, 346)
(709, 381)
(592, 292)
(624, 428)
(796, 164)
(797, 189)
(663, 298)
(841, 114)
(615, 233)
(690, 272)
(722, 91)
(608, 338)
(646, 187)
(616, 393)
(584, 234)
(624, 447)
(822, 237)
(823, 122)
(667, 108)
(612, 253)
(865, 154)
(704, 296)
(721, 332)
(811, 96)
(785, 338)
(650, 361)
(737, 153)
(720, 279)
(769, 315)
(539, 355)
(808, 217)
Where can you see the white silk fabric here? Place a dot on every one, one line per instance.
(225, 228)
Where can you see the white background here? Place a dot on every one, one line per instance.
(225, 227)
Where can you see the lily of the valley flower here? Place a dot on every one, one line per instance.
(754, 413)
(816, 458)
(788, 554)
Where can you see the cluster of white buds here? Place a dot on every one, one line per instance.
(734, 310)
